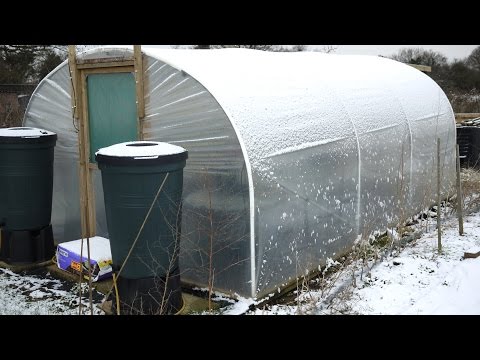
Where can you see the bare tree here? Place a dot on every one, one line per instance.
(277, 48)
(327, 49)
(473, 59)
(420, 56)
(27, 63)
(299, 48)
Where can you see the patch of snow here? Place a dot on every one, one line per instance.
(240, 307)
(38, 294)
(424, 282)
(303, 146)
(99, 248)
(329, 263)
(139, 149)
(24, 132)
(22, 294)
(416, 280)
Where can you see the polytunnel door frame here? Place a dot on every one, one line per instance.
(80, 70)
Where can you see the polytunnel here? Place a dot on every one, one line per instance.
(292, 156)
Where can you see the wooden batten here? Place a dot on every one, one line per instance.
(105, 65)
(105, 62)
(110, 70)
(72, 64)
(423, 68)
(138, 66)
(460, 117)
(78, 113)
(84, 173)
(87, 186)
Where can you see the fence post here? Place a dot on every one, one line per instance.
(439, 230)
(459, 195)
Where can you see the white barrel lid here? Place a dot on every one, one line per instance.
(139, 153)
(141, 149)
(24, 132)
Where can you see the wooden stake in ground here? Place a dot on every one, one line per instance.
(439, 230)
(459, 195)
(72, 63)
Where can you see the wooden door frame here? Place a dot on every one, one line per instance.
(83, 74)
(79, 70)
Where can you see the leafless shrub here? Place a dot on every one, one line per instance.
(470, 178)
(465, 102)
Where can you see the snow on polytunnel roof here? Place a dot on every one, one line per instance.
(284, 102)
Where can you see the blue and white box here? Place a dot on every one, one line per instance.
(68, 258)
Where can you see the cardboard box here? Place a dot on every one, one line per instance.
(68, 258)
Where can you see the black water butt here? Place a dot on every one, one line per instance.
(132, 175)
(26, 185)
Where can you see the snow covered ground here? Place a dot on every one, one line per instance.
(40, 294)
(419, 281)
(416, 280)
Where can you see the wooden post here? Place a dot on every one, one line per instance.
(86, 184)
(138, 65)
(72, 64)
(439, 230)
(459, 195)
(79, 110)
(77, 101)
(76, 95)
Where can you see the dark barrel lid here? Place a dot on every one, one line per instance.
(21, 135)
(138, 153)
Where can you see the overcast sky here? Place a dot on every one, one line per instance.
(450, 51)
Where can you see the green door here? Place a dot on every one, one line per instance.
(112, 110)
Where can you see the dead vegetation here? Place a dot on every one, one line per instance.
(470, 178)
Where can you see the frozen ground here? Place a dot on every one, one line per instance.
(419, 281)
(415, 280)
(39, 294)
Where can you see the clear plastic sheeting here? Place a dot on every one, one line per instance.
(292, 156)
(51, 106)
